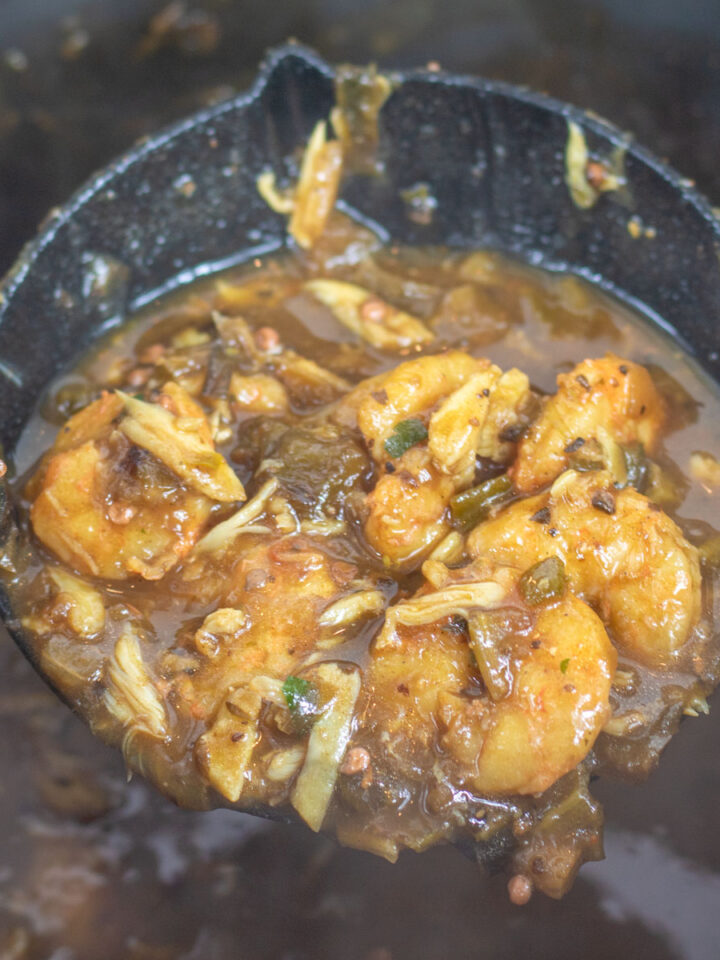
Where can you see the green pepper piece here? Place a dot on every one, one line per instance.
(584, 455)
(405, 435)
(488, 634)
(543, 581)
(637, 466)
(301, 697)
(665, 486)
(471, 506)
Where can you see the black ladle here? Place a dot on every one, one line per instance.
(184, 202)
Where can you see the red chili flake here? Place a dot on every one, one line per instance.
(267, 339)
(152, 354)
(120, 513)
(373, 310)
(519, 890)
(595, 174)
(139, 376)
(357, 760)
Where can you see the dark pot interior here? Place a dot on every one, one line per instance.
(491, 155)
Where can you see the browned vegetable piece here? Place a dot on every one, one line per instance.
(376, 321)
(311, 202)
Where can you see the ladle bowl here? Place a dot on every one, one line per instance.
(492, 157)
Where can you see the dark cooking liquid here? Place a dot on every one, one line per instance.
(226, 886)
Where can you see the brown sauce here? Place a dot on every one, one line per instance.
(517, 317)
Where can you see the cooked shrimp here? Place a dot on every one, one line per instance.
(110, 507)
(472, 421)
(412, 388)
(408, 510)
(557, 656)
(293, 574)
(469, 404)
(603, 402)
(621, 553)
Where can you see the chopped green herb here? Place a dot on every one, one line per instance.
(471, 506)
(564, 664)
(301, 697)
(405, 435)
(138, 396)
(543, 581)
